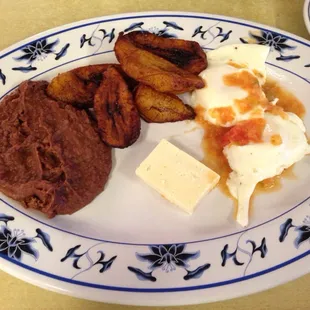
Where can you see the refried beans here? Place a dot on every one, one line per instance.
(51, 156)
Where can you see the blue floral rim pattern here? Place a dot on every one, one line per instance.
(159, 290)
(150, 16)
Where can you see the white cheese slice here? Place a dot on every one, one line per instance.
(177, 176)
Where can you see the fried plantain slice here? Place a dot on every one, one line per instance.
(79, 85)
(185, 54)
(131, 83)
(156, 107)
(118, 118)
(92, 73)
(68, 88)
(153, 70)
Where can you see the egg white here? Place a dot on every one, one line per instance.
(216, 94)
(256, 162)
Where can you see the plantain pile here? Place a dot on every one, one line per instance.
(152, 71)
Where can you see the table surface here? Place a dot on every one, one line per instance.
(22, 18)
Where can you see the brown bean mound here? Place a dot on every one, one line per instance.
(51, 157)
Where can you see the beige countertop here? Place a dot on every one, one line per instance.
(22, 18)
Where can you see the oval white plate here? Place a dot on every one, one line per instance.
(129, 245)
(307, 14)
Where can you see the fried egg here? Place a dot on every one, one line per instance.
(284, 144)
(234, 80)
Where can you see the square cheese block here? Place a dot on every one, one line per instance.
(177, 176)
